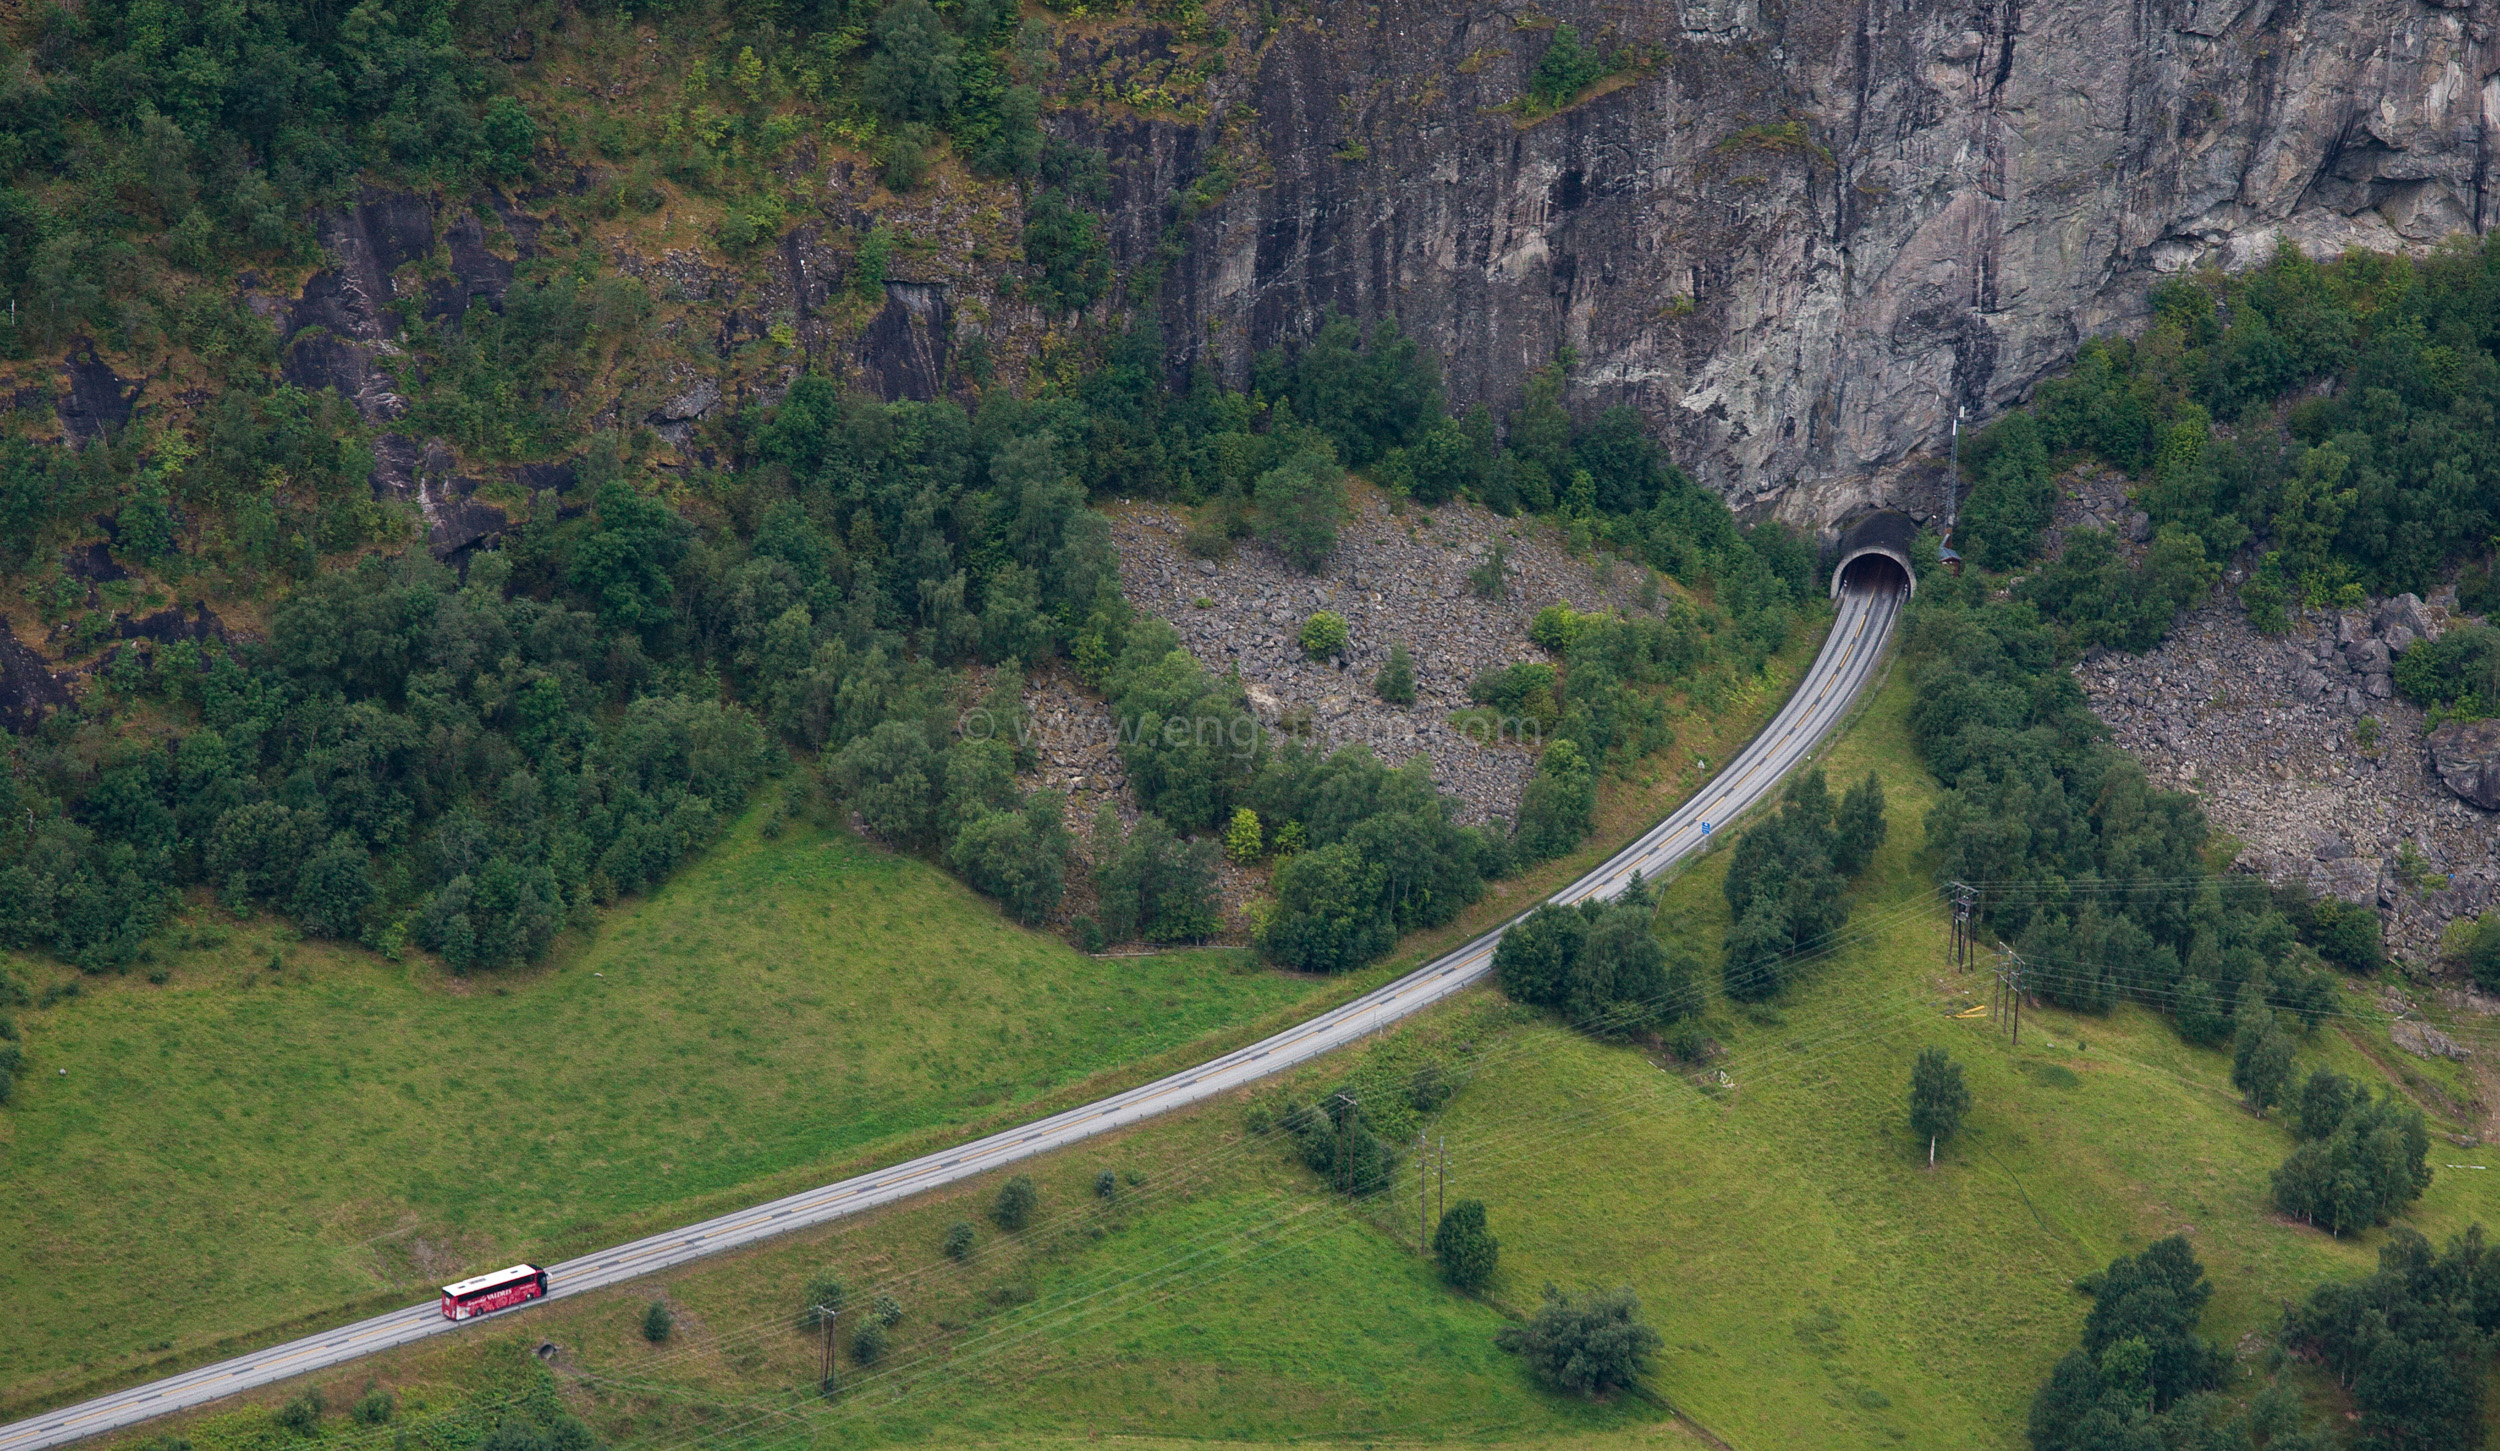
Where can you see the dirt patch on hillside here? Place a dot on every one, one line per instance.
(1393, 578)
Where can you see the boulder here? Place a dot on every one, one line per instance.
(2406, 611)
(2367, 656)
(2424, 1041)
(2467, 757)
(2399, 639)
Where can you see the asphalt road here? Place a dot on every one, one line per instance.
(1849, 657)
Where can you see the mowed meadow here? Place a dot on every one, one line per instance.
(286, 1133)
(1814, 1282)
(284, 1128)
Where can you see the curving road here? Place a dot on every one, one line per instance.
(1849, 657)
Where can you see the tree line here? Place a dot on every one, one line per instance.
(2411, 1345)
(2093, 875)
(2338, 416)
(473, 763)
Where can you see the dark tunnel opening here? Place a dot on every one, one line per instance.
(1873, 570)
(1875, 552)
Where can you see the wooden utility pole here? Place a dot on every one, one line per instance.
(2008, 1003)
(1965, 923)
(1441, 1200)
(1423, 1151)
(824, 1323)
(1345, 1142)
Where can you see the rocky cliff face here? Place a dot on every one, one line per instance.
(1799, 236)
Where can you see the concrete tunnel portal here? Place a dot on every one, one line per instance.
(1875, 551)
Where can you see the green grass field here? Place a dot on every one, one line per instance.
(1815, 1283)
(249, 1149)
(1215, 1297)
(241, 1145)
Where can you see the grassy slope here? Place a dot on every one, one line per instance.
(238, 1144)
(1217, 1297)
(243, 1150)
(1815, 1284)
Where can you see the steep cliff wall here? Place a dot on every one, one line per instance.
(1798, 236)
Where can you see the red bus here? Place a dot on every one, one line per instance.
(480, 1294)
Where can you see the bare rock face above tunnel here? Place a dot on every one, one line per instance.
(1797, 237)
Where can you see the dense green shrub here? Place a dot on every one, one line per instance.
(1385, 856)
(1395, 684)
(1016, 1201)
(2373, 482)
(1337, 1144)
(2457, 674)
(2140, 1357)
(2360, 1159)
(1190, 741)
(1464, 1247)
(1153, 884)
(2482, 952)
(2104, 599)
(2261, 1053)
(302, 1412)
(1589, 1345)
(1323, 634)
(1371, 391)
(871, 1342)
(912, 74)
(1557, 807)
(1599, 965)
(1784, 885)
(1018, 856)
(1303, 502)
(2011, 502)
(375, 1407)
(1067, 258)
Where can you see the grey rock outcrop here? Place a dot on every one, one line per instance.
(2266, 732)
(1800, 236)
(343, 321)
(2424, 1041)
(2467, 758)
(903, 354)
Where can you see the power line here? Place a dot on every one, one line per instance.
(1543, 1137)
(1867, 926)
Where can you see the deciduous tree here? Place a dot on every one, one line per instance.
(1938, 1096)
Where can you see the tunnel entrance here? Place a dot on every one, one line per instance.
(1875, 552)
(1872, 571)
